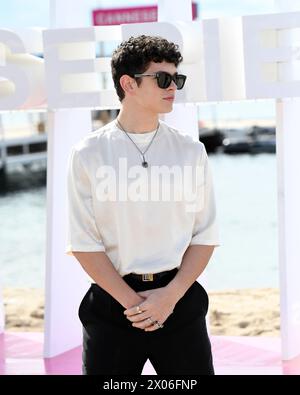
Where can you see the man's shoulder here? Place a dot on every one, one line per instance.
(183, 138)
(95, 138)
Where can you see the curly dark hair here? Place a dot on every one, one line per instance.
(134, 55)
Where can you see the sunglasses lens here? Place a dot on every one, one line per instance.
(180, 81)
(164, 80)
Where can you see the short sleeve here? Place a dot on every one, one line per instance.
(205, 230)
(82, 232)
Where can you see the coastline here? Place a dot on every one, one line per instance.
(236, 312)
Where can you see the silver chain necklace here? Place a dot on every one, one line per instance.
(144, 163)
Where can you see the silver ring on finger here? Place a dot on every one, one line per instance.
(159, 325)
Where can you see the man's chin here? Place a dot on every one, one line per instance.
(166, 111)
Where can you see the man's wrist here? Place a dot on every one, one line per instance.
(175, 290)
(132, 300)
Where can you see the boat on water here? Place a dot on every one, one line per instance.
(211, 138)
(257, 140)
(25, 151)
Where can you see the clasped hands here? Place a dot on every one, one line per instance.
(153, 311)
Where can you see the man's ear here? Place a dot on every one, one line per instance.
(128, 84)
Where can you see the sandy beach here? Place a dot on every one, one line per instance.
(244, 312)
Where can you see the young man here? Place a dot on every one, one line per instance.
(136, 231)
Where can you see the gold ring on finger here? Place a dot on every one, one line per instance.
(138, 310)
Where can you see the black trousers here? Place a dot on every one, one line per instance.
(112, 346)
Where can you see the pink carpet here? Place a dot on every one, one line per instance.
(21, 353)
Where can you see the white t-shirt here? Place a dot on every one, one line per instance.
(142, 218)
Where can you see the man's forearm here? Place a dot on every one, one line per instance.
(99, 267)
(194, 261)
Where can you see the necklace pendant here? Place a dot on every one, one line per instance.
(145, 164)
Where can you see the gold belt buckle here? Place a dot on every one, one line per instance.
(147, 277)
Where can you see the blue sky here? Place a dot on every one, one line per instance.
(25, 13)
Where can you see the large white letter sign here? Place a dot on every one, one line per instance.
(224, 59)
(266, 59)
(21, 74)
(69, 56)
(71, 67)
(15, 88)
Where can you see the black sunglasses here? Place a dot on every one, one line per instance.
(165, 79)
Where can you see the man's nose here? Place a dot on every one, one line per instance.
(172, 86)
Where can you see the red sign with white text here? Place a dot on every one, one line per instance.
(119, 16)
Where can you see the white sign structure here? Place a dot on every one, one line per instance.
(226, 59)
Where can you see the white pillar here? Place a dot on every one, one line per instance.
(183, 117)
(1, 297)
(1, 312)
(288, 164)
(65, 279)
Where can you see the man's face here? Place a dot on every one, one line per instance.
(150, 96)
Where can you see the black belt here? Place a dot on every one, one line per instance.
(151, 276)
